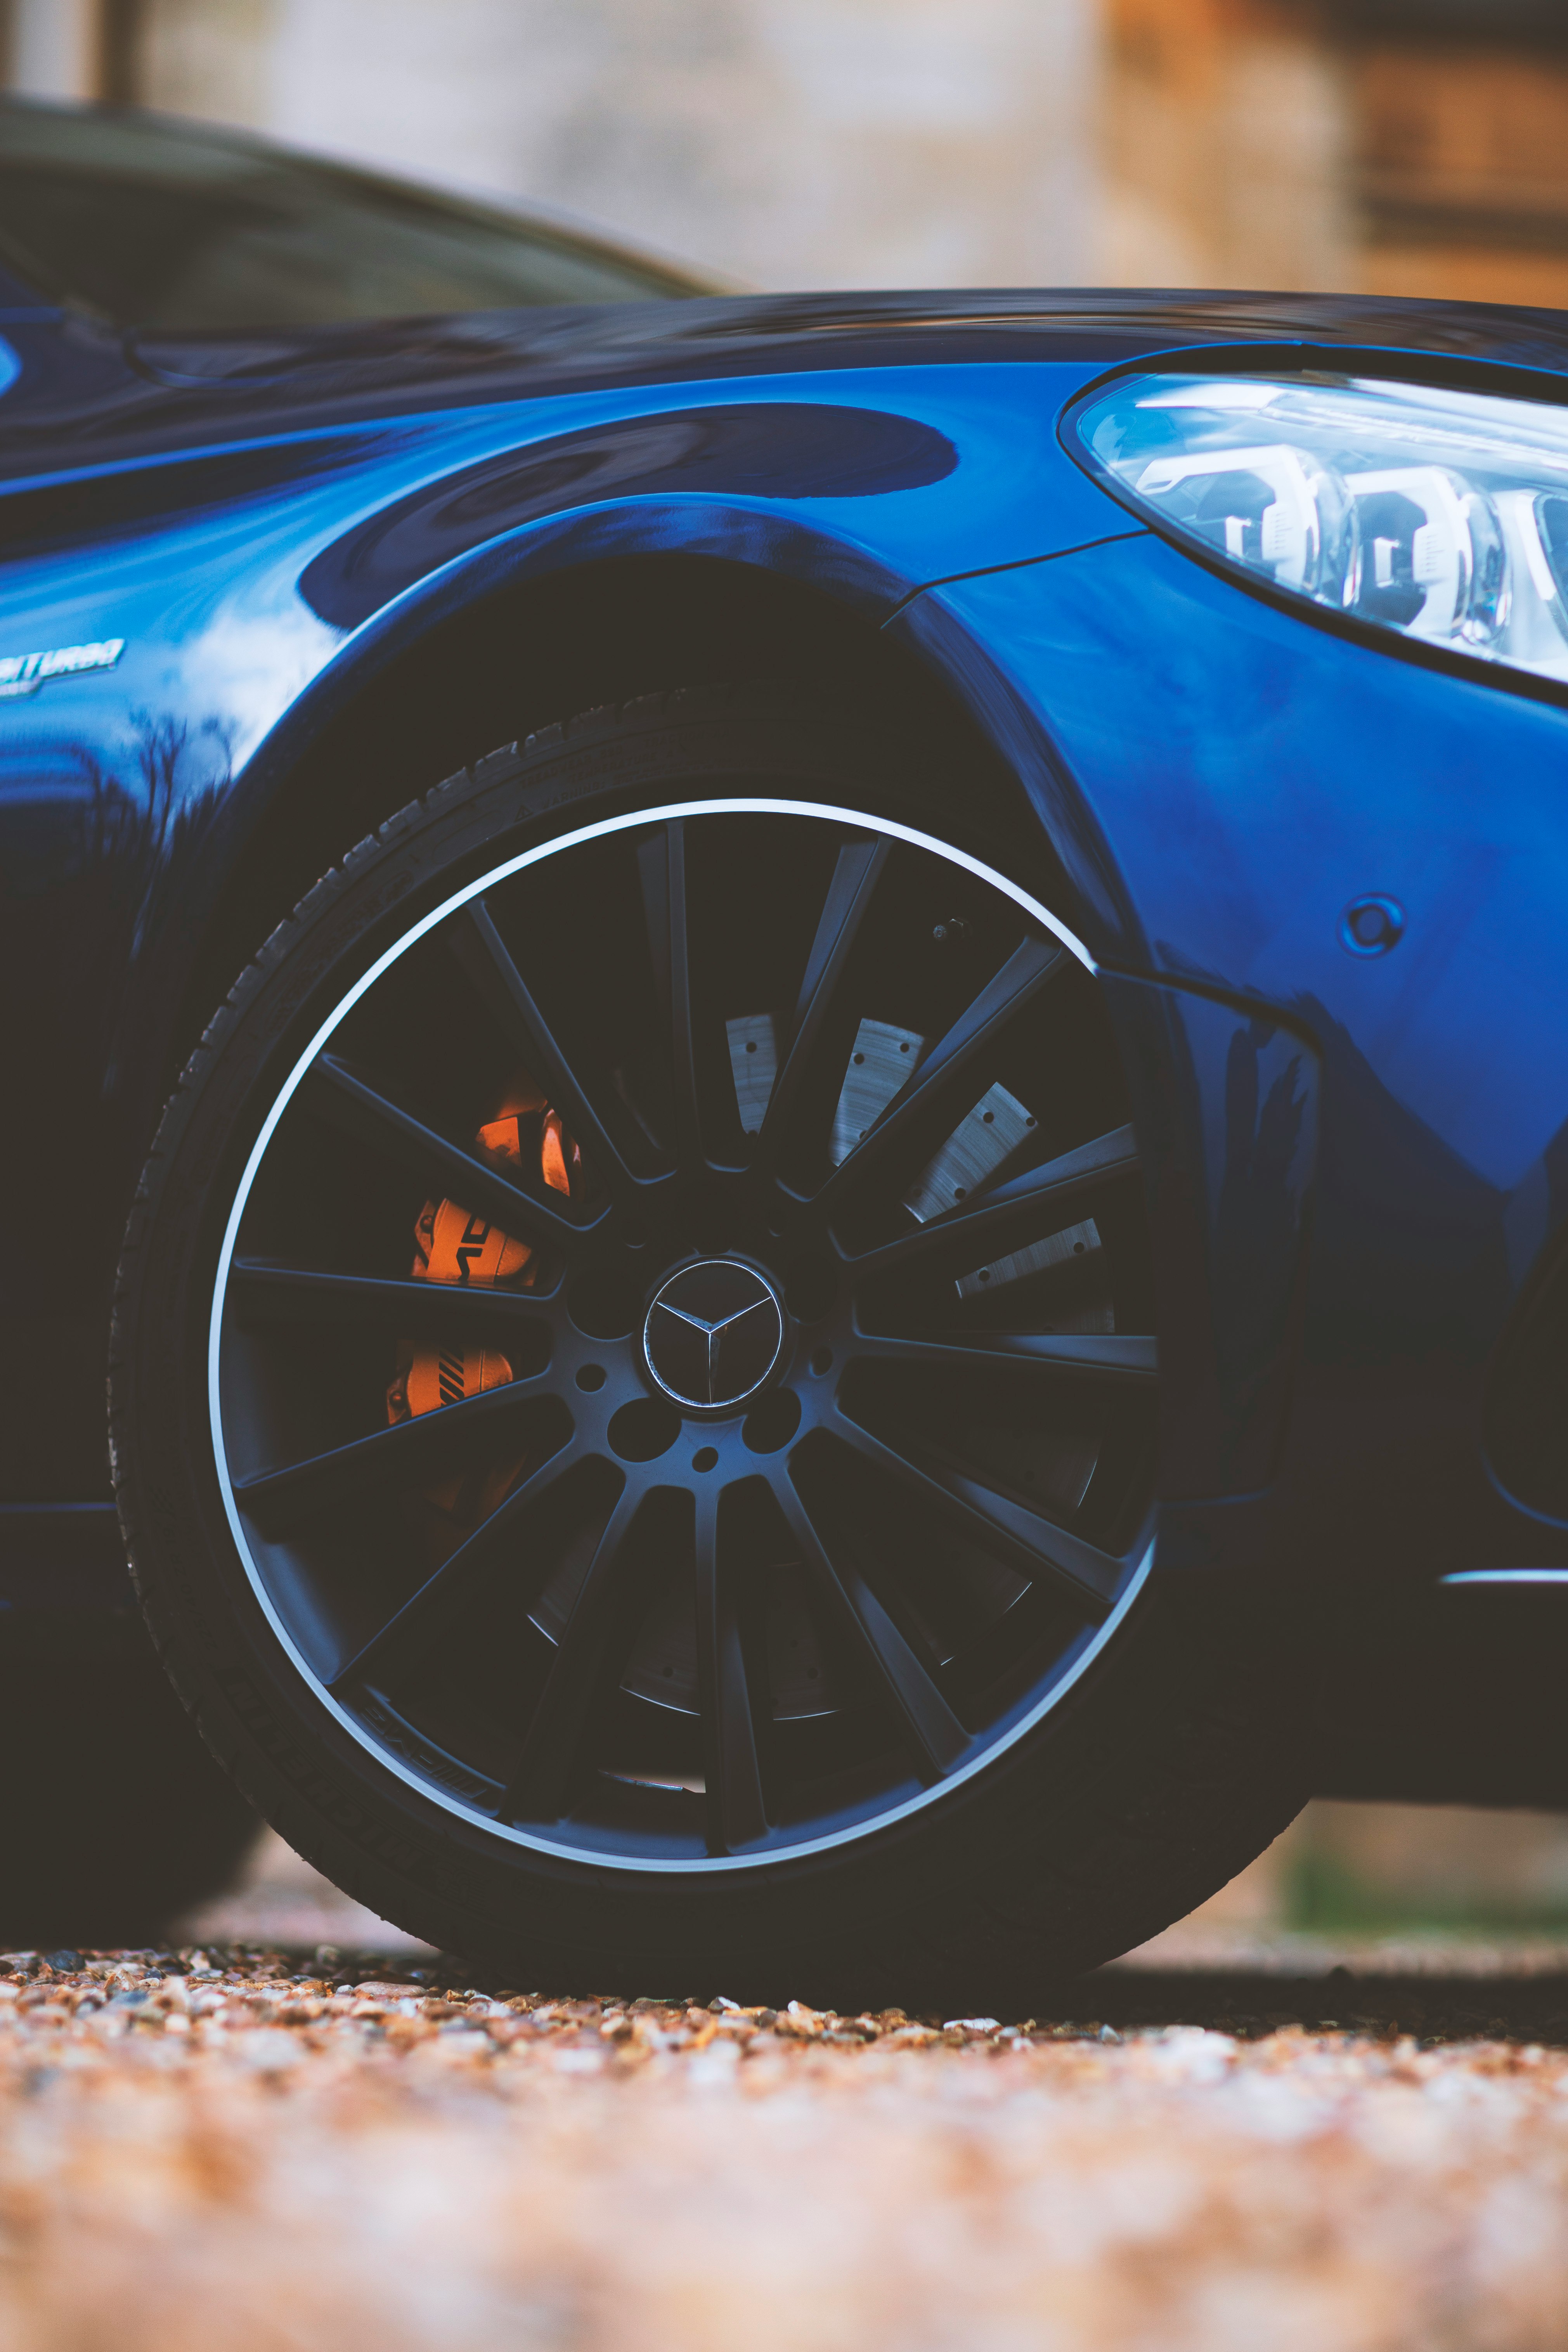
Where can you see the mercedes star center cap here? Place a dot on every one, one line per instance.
(713, 1333)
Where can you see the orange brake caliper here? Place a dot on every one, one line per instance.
(453, 1244)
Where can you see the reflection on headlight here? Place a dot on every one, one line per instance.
(1443, 515)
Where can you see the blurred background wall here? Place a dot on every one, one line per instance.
(782, 142)
(1407, 146)
(1395, 146)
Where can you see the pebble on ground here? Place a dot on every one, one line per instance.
(233, 2146)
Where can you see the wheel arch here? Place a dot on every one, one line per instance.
(439, 682)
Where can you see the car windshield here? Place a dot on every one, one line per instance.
(150, 224)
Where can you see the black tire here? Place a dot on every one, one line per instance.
(120, 1822)
(1155, 1750)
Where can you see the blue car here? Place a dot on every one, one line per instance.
(804, 1060)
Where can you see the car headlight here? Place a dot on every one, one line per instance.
(1442, 515)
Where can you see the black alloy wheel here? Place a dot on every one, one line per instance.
(830, 1445)
(677, 1356)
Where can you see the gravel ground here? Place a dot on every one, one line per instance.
(277, 2154)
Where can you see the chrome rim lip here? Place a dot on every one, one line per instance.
(563, 1849)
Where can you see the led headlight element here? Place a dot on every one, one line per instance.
(1443, 515)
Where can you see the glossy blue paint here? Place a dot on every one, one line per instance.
(236, 593)
(1249, 774)
(1229, 779)
(273, 522)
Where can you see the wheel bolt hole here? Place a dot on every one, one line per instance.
(705, 1458)
(821, 1360)
(591, 1376)
(644, 1430)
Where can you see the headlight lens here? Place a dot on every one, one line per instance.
(1443, 515)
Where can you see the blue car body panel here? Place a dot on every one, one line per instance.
(1355, 1164)
(233, 600)
(1245, 777)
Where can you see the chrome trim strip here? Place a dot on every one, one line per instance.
(1507, 1576)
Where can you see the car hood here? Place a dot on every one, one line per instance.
(723, 335)
(166, 391)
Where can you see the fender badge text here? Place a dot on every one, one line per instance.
(24, 673)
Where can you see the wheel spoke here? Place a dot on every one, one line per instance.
(928, 1723)
(423, 1612)
(736, 1815)
(484, 956)
(356, 1109)
(850, 893)
(661, 862)
(976, 1232)
(282, 1501)
(540, 1786)
(1131, 1357)
(1009, 1531)
(1092, 1574)
(264, 1293)
(929, 1095)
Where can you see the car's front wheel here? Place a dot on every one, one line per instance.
(635, 1391)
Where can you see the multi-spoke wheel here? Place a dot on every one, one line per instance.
(637, 1371)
